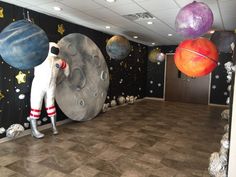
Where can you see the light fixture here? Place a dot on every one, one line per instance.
(170, 34)
(211, 31)
(153, 43)
(149, 22)
(110, 1)
(56, 8)
(108, 27)
(135, 37)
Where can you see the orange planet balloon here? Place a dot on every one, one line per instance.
(196, 57)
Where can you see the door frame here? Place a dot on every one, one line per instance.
(164, 91)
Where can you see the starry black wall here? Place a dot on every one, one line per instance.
(127, 77)
(155, 77)
(219, 84)
(156, 74)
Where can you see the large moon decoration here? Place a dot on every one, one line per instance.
(81, 96)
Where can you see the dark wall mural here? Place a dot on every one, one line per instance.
(219, 84)
(156, 74)
(218, 88)
(127, 76)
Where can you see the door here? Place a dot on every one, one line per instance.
(182, 88)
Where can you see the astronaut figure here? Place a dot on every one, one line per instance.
(43, 87)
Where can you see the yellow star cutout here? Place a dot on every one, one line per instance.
(1, 13)
(21, 77)
(1, 95)
(60, 29)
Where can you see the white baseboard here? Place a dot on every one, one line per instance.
(154, 98)
(219, 105)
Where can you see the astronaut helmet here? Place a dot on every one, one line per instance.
(53, 49)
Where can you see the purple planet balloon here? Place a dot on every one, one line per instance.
(194, 19)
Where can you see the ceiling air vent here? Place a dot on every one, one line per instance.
(139, 16)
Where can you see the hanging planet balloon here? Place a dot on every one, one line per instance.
(223, 40)
(155, 55)
(23, 44)
(81, 96)
(160, 57)
(194, 19)
(118, 47)
(196, 57)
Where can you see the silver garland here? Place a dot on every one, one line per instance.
(14, 130)
(225, 114)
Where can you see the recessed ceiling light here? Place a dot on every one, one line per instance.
(149, 22)
(153, 43)
(211, 31)
(170, 34)
(56, 8)
(110, 1)
(135, 37)
(108, 27)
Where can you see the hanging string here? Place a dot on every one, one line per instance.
(27, 16)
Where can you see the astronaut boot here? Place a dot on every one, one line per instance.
(34, 131)
(53, 122)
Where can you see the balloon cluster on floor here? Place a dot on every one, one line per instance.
(219, 160)
(121, 100)
(195, 56)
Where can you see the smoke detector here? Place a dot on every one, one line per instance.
(139, 16)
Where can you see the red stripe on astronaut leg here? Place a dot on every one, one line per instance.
(35, 110)
(52, 107)
(34, 116)
(52, 114)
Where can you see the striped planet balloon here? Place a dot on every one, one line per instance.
(196, 57)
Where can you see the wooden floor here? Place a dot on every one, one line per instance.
(147, 139)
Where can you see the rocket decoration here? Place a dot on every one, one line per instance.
(1, 13)
(60, 29)
(21, 77)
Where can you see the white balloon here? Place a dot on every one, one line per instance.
(22, 96)
(14, 130)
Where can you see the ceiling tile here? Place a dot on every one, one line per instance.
(217, 23)
(117, 3)
(158, 5)
(228, 8)
(81, 4)
(33, 2)
(100, 13)
(165, 14)
(18, 3)
(130, 8)
(183, 3)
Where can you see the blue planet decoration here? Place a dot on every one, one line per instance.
(23, 44)
(118, 47)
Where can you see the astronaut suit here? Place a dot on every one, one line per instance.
(43, 87)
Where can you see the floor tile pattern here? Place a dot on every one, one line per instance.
(147, 139)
